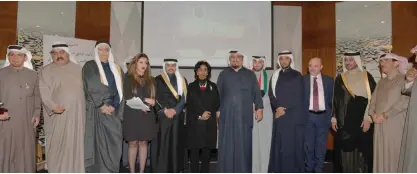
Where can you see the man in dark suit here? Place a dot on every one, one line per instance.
(319, 93)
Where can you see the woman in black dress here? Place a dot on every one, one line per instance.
(139, 126)
(202, 104)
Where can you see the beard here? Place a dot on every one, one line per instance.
(259, 69)
(285, 67)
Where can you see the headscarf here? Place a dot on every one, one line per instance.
(356, 56)
(177, 74)
(244, 63)
(63, 46)
(276, 73)
(19, 49)
(113, 66)
(402, 61)
(256, 58)
(263, 78)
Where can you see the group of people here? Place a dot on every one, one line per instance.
(277, 124)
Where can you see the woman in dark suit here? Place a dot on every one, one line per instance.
(139, 126)
(202, 104)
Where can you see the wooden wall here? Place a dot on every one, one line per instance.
(8, 25)
(319, 35)
(92, 21)
(404, 27)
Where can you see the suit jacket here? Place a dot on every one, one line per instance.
(328, 84)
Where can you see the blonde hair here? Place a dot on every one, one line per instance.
(136, 79)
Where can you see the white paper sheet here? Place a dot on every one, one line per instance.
(137, 103)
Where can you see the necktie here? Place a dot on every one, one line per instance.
(260, 81)
(315, 95)
(203, 87)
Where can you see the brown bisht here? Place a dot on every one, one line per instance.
(61, 85)
(103, 137)
(19, 91)
(352, 147)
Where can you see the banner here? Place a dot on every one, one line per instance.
(82, 50)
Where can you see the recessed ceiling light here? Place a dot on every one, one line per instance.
(37, 26)
(62, 13)
(338, 20)
(382, 22)
(365, 6)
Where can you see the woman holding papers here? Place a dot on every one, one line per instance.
(139, 125)
(202, 104)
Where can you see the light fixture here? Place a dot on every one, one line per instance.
(382, 22)
(338, 20)
(365, 6)
(62, 13)
(37, 26)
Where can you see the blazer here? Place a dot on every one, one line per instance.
(328, 84)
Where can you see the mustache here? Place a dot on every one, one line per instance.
(60, 58)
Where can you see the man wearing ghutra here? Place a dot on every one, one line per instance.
(239, 92)
(262, 130)
(103, 86)
(408, 155)
(63, 100)
(168, 150)
(290, 117)
(354, 132)
(388, 108)
(20, 95)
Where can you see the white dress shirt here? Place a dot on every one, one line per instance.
(322, 106)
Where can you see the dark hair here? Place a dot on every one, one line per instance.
(198, 65)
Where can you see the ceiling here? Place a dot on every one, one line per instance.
(48, 17)
(363, 19)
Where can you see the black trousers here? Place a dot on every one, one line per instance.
(196, 157)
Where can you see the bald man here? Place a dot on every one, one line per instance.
(319, 93)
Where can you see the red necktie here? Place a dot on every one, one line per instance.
(315, 95)
(260, 81)
(202, 88)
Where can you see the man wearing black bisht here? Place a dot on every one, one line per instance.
(238, 91)
(202, 104)
(168, 149)
(353, 141)
(290, 117)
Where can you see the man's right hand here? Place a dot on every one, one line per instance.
(4, 116)
(280, 112)
(411, 75)
(334, 124)
(414, 50)
(107, 109)
(170, 113)
(58, 109)
(206, 115)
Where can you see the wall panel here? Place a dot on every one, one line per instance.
(404, 27)
(8, 25)
(319, 35)
(319, 39)
(93, 20)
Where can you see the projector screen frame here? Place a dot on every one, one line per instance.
(215, 67)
